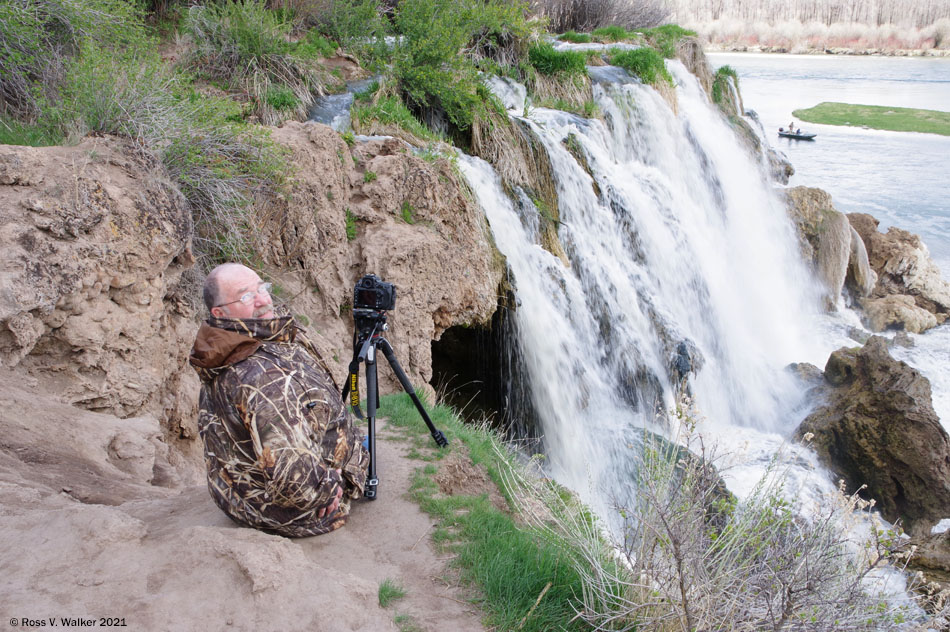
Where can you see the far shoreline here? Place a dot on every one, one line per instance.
(927, 53)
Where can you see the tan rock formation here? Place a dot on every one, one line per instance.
(416, 227)
(897, 311)
(95, 243)
(861, 277)
(825, 237)
(904, 268)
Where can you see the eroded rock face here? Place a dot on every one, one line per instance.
(95, 242)
(904, 269)
(415, 227)
(825, 237)
(878, 428)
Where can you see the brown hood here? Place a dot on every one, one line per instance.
(215, 348)
(222, 342)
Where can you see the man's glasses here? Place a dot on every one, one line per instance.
(247, 297)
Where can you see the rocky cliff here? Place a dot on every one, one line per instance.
(101, 477)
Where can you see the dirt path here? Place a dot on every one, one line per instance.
(168, 559)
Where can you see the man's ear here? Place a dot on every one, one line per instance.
(218, 312)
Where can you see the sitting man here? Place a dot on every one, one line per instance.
(281, 450)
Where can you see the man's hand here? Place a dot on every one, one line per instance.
(329, 509)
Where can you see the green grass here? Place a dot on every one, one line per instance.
(390, 110)
(645, 63)
(13, 132)
(548, 61)
(510, 565)
(390, 591)
(878, 117)
(611, 33)
(575, 37)
(721, 93)
(665, 38)
(406, 212)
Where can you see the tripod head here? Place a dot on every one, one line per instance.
(368, 322)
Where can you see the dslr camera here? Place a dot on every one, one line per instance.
(372, 293)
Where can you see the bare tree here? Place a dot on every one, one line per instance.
(587, 15)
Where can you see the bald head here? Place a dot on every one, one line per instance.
(227, 284)
(212, 288)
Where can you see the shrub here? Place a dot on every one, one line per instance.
(548, 61)
(434, 60)
(575, 37)
(645, 63)
(38, 39)
(245, 45)
(315, 45)
(358, 25)
(693, 558)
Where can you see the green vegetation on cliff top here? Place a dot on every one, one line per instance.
(878, 117)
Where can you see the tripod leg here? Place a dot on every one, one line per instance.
(383, 344)
(372, 401)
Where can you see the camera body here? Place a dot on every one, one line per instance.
(374, 294)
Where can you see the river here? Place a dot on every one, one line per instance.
(901, 178)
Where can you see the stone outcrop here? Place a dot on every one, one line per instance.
(96, 305)
(909, 293)
(101, 478)
(415, 227)
(827, 240)
(878, 428)
(101, 300)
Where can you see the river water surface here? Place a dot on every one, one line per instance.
(901, 178)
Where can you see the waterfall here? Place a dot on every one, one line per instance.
(683, 276)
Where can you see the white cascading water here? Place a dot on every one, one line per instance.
(682, 244)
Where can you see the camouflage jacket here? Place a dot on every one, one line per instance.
(274, 427)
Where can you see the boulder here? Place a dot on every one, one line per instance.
(414, 226)
(904, 268)
(825, 238)
(878, 428)
(897, 311)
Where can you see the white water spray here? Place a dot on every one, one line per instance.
(676, 243)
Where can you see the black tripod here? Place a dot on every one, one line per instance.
(367, 338)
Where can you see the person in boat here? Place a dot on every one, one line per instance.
(281, 450)
(791, 127)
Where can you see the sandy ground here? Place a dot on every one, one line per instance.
(168, 559)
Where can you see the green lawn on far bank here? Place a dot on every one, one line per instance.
(878, 117)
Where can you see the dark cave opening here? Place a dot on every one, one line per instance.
(478, 370)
